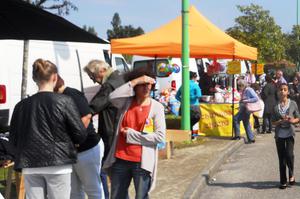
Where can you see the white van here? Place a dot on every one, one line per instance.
(173, 80)
(70, 57)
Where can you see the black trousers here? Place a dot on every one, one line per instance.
(195, 114)
(285, 151)
(256, 122)
(267, 122)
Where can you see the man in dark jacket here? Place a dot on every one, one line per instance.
(109, 79)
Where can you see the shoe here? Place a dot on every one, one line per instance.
(269, 131)
(263, 132)
(236, 138)
(251, 141)
(282, 186)
(292, 181)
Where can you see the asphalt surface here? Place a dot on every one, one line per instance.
(176, 174)
(253, 172)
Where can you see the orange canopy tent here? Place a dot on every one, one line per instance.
(206, 40)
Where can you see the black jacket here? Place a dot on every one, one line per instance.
(108, 114)
(43, 130)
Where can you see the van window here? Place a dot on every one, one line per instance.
(121, 65)
(150, 62)
(106, 56)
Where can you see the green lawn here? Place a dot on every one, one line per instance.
(3, 176)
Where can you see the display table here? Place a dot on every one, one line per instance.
(216, 120)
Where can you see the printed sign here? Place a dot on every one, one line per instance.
(258, 69)
(216, 120)
(233, 67)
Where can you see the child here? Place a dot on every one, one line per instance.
(286, 114)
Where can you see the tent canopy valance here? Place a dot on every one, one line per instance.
(206, 40)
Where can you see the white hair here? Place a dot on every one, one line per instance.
(242, 82)
(95, 65)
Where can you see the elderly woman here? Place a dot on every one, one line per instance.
(141, 128)
(44, 129)
(248, 96)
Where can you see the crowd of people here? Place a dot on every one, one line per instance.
(61, 155)
(58, 150)
(281, 109)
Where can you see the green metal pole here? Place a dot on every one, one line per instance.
(297, 12)
(297, 61)
(185, 107)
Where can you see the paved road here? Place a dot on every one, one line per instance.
(252, 172)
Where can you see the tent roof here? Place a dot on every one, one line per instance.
(206, 40)
(21, 20)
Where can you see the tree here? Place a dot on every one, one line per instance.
(62, 7)
(258, 29)
(292, 44)
(119, 31)
(90, 29)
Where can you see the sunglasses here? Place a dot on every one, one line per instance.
(92, 77)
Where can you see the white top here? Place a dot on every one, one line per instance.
(64, 169)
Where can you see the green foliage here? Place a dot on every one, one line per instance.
(90, 29)
(258, 29)
(292, 44)
(119, 31)
(173, 121)
(63, 7)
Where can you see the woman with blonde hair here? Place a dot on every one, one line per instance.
(44, 129)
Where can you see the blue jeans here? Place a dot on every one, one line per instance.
(243, 115)
(103, 177)
(122, 173)
(86, 175)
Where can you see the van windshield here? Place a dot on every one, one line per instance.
(151, 62)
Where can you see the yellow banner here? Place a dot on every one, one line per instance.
(233, 67)
(216, 120)
(259, 69)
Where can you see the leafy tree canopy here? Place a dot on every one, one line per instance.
(90, 29)
(119, 31)
(63, 7)
(292, 44)
(258, 29)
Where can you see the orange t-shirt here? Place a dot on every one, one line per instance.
(134, 118)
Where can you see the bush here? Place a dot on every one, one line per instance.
(173, 121)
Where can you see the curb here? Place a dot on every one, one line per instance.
(202, 179)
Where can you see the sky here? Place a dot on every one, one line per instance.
(151, 14)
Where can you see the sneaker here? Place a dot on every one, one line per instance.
(251, 141)
(282, 186)
(236, 138)
(292, 181)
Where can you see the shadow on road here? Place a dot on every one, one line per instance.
(251, 185)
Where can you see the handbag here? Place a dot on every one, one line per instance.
(255, 106)
(260, 113)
